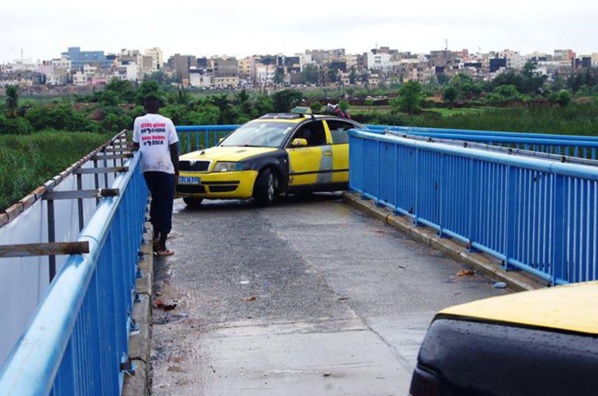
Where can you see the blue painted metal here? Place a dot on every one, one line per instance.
(198, 137)
(534, 214)
(78, 336)
(566, 145)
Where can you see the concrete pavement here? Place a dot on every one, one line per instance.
(349, 353)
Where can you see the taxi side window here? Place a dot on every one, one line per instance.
(313, 132)
(338, 131)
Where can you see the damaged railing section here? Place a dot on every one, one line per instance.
(536, 215)
(77, 340)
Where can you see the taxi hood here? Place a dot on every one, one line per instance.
(572, 307)
(223, 153)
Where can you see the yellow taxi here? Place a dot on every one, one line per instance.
(278, 153)
(542, 342)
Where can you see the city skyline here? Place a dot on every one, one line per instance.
(40, 31)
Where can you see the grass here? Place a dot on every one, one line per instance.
(570, 120)
(26, 162)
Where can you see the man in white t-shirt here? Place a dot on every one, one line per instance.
(156, 137)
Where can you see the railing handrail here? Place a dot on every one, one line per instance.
(473, 132)
(34, 361)
(546, 165)
(532, 213)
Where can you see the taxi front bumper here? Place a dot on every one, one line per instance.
(216, 185)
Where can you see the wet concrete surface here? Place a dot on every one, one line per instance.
(309, 296)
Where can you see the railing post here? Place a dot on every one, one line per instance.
(559, 223)
(511, 224)
(51, 237)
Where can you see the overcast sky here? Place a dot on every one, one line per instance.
(42, 29)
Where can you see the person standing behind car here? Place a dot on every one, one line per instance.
(156, 138)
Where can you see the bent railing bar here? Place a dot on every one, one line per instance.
(43, 249)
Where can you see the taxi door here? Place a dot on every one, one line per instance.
(310, 166)
(340, 149)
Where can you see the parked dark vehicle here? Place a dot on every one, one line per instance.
(542, 342)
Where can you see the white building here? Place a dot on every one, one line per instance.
(199, 78)
(61, 63)
(157, 58)
(379, 62)
(80, 78)
(516, 61)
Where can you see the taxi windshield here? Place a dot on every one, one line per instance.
(259, 134)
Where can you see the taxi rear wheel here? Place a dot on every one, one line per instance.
(266, 188)
(192, 202)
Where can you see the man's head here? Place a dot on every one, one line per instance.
(151, 103)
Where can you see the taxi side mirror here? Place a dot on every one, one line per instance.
(299, 142)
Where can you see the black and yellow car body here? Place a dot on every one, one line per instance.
(542, 342)
(278, 153)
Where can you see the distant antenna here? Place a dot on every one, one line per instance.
(446, 44)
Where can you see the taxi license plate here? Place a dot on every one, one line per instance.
(188, 180)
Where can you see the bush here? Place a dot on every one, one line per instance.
(14, 126)
(62, 117)
(27, 162)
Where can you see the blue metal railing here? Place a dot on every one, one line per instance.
(197, 137)
(565, 145)
(537, 215)
(77, 340)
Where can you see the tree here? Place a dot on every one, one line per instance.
(158, 76)
(311, 74)
(12, 100)
(532, 80)
(409, 99)
(333, 75)
(223, 103)
(563, 98)
(122, 90)
(180, 97)
(279, 76)
(450, 94)
(353, 75)
(242, 102)
(146, 88)
(442, 78)
(285, 100)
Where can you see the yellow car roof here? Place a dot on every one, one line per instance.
(571, 307)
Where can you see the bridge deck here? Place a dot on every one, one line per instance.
(305, 296)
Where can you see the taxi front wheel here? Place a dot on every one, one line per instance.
(192, 202)
(266, 188)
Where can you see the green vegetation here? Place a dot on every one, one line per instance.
(524, 101)
(27, 162)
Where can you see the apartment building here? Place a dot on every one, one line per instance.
(382, 64)
(80, 58)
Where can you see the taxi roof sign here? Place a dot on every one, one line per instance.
(301, 110)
